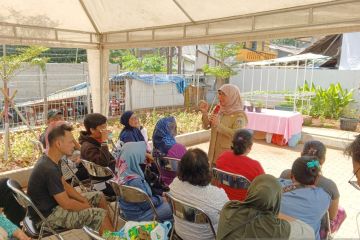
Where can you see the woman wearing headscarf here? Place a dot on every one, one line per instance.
(131, 131)
(227, 117)
(129, 172)
(258, 216)
(165, 144)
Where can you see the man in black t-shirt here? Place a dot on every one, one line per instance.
(59, 202)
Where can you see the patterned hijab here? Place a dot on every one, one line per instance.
(234, 103)
(256, 217)
(164, 134)
(128, 165)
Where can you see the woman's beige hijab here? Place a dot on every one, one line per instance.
(234, 103)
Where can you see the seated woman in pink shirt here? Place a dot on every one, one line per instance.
(237, 161)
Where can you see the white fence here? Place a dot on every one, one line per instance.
(281, 79)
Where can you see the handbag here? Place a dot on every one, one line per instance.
(141, 231)
(152, 177)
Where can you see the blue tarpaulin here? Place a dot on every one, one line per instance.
(179, 81)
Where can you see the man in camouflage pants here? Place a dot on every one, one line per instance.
(59, 202)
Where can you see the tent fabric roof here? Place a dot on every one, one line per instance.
(146, 23)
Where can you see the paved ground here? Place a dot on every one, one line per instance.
(275, 159)
(338, 167)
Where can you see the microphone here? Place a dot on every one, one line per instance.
(216, 109)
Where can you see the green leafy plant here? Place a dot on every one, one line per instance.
(222, 72)
(149, 63)
(330, 102)
(259, 104)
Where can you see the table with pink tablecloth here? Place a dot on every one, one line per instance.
(275, 121)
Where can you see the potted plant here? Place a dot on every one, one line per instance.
(258, 106)
(250, 108)
(349, 119)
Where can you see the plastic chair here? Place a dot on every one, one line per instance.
(29, 225)
(131, 195)
(98, 174)
(232, 180)
(92, 233)
(189, 213)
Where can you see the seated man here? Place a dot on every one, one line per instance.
(94, 141)
(59, 202)
(54, 116)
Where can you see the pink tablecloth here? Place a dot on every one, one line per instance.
(275, 121)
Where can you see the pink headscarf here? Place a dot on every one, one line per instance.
(234, 103)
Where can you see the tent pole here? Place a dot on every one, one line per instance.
(296, 83)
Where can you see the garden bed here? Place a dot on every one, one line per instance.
(23, 153)
(328, 123)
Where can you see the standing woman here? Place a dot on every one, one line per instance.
(227, 117)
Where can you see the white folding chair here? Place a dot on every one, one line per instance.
(131, 195)
(188, 213)
(168, 163)
(94, 235)
(232, 180)
(98, 174)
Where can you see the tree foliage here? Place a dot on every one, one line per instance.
(149, 63)
(223, 51)
(10, 65)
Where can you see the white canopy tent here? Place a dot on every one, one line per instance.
(100, 25)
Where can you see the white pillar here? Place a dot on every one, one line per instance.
(98, 61)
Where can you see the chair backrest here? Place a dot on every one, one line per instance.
(132, 195)
(189, 213)
(97, 171)
(232, 180)
(22, 198)
(168, 163)
(92, 233)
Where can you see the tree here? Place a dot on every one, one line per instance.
(154, 63)
(150, 63)
(10, 65)
(223, 52)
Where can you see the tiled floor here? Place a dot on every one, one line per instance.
(275, 159)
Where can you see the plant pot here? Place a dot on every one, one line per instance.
(348, 124)
(307, 120)
(250, 108)
(258, 109)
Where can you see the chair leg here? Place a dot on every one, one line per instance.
(115, 219)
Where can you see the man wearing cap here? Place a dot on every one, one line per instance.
(54, 116)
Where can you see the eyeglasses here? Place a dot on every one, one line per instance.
(354, 183)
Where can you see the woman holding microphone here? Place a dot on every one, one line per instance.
(227, 117)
